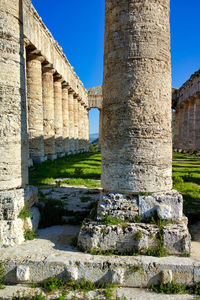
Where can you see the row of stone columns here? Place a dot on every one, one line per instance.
(57, 118)
(187, 126)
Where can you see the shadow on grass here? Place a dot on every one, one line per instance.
(85, 166)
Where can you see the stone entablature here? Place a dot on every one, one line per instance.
(189, 90)
(186, 102)
(39, 37)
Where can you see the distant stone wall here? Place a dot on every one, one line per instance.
(186, 102)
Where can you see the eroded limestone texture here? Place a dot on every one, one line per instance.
(71, 122)
(187, 121)
(48, 111)
(35, 107)
(126, 207)
(76, 144)
(65, 113)
(125, 238)
(13, 133)
(136, 132)
(58, 116)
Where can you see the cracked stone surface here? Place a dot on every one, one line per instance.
(51, 254)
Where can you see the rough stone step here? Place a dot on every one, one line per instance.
(127, 293)
(51, 254)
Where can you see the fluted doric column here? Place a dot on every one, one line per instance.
(48, 112)
(79, 126)
(181, 127)
(76, 145)
(100, 128)
(185, 132)
(176, 129)
(191, 125)
(35, 107)
(82, 127)
(58, 115)
(71, 122)
(197, 123)
(65, 113)
(136, 131)
(14, 192)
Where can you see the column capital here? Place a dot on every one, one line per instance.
(75, 95)
(71, 91)
(65, 85)
(57, 78)
(35, 55)
(48, 68)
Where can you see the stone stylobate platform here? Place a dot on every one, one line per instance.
(52, 255)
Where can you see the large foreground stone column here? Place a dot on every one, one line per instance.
(35, 107)
(71, 122)
(14, 192)
(48, 106)
(65, 113)
(136, 130)
(58, 117)
(136, 133)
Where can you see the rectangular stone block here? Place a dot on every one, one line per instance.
(168, 205)
(134, 237)
(11, 232)
(118, 205)
(13, 201)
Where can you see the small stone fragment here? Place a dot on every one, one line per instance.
(23, 273)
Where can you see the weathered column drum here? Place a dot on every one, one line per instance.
(136, 135)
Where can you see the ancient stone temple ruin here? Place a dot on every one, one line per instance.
(44, 115)
(43, 109)
(136, 135)
(186, 102)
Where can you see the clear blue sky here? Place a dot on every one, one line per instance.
(78, 26)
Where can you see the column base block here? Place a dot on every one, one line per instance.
(134, 238)
(167, 205)
(143, 224)
(11, 203)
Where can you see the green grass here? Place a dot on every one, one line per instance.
(2, 273)
(78, 169)
(186, 179)
(85, 169)
(29, 235)
(24, 213)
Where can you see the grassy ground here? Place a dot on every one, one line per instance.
(85, 169)
(186, 179)
(79, 169)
